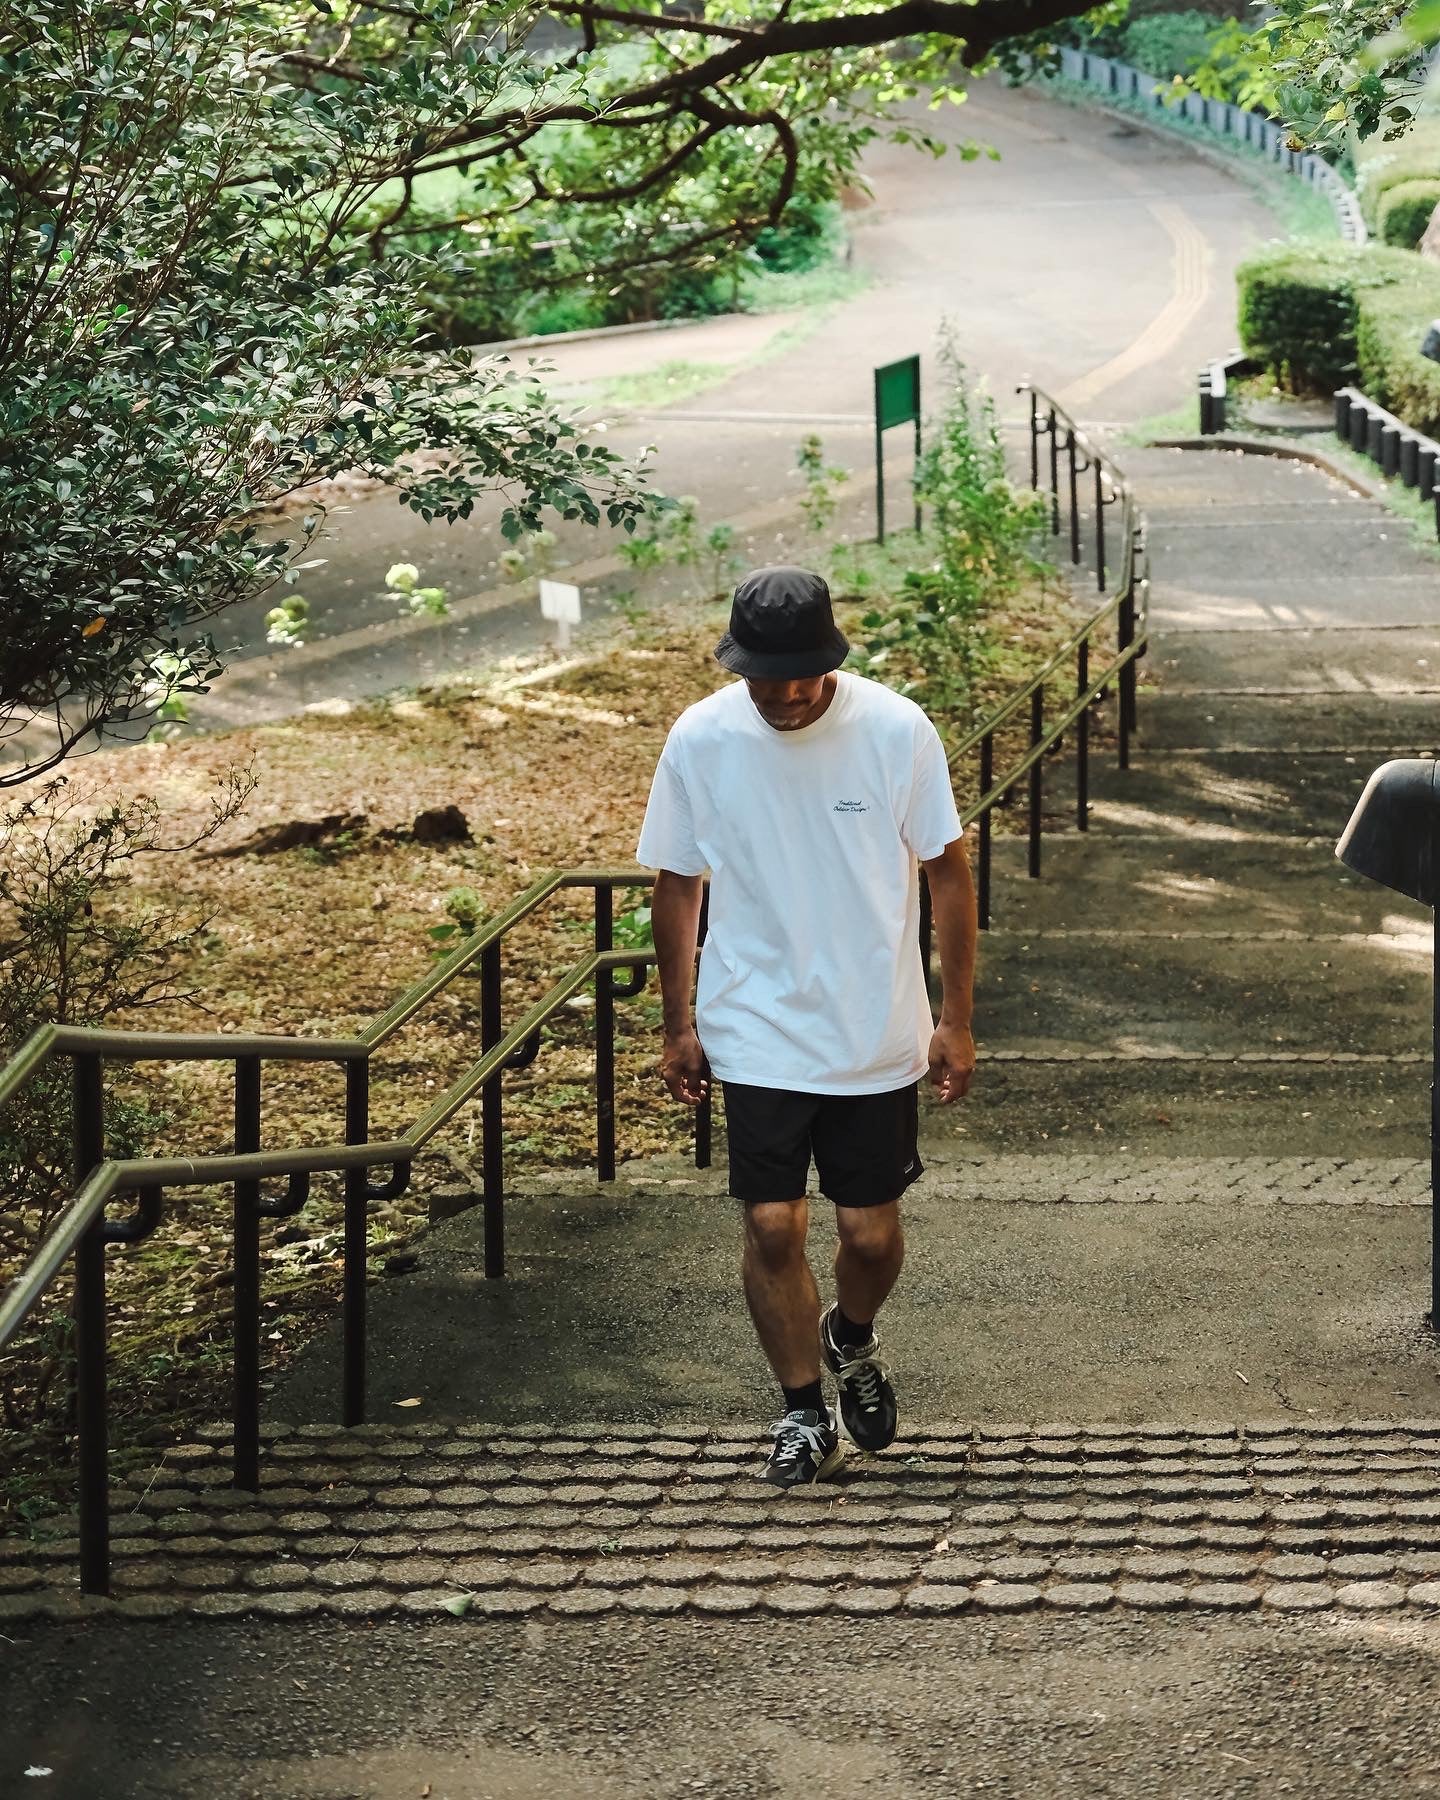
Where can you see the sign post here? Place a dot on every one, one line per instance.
(897, 402)
(560, 601)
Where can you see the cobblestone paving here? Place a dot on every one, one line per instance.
(1075, 1179)
(600, 1518)
(1247, 1180)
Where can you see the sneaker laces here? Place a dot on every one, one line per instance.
(862, 1376)
(793, 1437)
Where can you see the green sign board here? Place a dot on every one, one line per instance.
(897, 393)
(897, 402)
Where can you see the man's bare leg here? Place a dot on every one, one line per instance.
(868, 1258)
(780, 1290)
(872, 1249)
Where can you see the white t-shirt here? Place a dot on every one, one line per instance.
(810, 976)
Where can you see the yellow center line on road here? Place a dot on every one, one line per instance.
(1191, 289)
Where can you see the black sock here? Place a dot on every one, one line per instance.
(847, 1333)
(810, 1398)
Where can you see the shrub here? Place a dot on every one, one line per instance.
(1381, 166)
(1405, 210)
(1174, 43)
(1391, 322)
(932, 638)
(1297, 314)
(1323, 317)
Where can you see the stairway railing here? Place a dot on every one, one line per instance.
(83, 1231)
(1070, 461)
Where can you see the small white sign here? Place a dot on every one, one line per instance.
(560, 601)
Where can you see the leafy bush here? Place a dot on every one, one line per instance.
(1381, 166)
(545, 283)
(1324, 317)
(1405, 211)
(1176, 43)
(933, 639)
(1297, 314)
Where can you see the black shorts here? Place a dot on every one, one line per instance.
(864, 1145)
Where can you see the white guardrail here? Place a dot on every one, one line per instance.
(1252, 130)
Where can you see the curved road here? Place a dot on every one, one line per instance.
(1095, 256)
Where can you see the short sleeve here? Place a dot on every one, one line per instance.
(667, 837)
(931, 820)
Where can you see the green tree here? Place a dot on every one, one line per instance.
(188, 334)
(1332, 73)
(218, 230)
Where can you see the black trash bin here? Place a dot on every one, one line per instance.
(1393, 837)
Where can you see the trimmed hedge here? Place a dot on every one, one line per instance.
(1404, 211)
(1322, 317)
(1379, 166)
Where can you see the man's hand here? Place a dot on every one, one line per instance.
(952, 1061)
(683, 1067)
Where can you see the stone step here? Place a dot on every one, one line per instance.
(1227, 480)
(1191, 1106)
(580, 1519)
(1246, 793)
(1126, 993)
(1370, 727)
(1346, 554)
(1262, 663)
(1206, 880)
(1017, 1299)
(1223, 600)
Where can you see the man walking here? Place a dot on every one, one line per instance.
(810, 794)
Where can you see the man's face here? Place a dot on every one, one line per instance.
(788, 705)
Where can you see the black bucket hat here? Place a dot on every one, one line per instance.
(782, 627)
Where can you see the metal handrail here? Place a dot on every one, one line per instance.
(1071, 455)
(82, 1229)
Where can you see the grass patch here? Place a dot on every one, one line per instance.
(1405, 503)
(786, 290)
(664, 385)
(1180, 421)
(680, 379)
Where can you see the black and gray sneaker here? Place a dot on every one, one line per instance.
(807, 1448)
(867, 1400)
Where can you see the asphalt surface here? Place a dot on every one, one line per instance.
(1134, 1709)
(1092, 256)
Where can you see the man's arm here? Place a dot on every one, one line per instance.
(675, 920)
(956, 926)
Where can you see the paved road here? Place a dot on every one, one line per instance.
(1093, 256)
(1077, 1709)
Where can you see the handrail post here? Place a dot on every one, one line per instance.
(246, 1298)
(1037, 731)
(604, 1037)
(987, 775)
(1074, 496)
(1099, 526)
(1124, 701)
(492, 1121)
(1054, 475)
(1082, 740)
(1034, 442)
(704, 1112)
(92, 1429)
(357, 1183)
